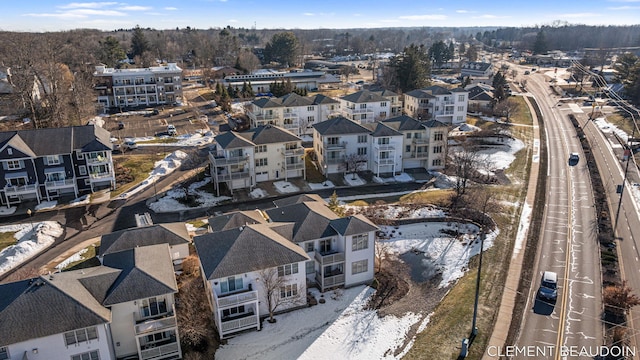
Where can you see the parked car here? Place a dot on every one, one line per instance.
(548, 286)
(130, 145)
(171, 130)
(120, 125)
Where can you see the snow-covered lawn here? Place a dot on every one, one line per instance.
(323, 185)
(285, 187)
(403, 177)
(258, 193)
(31, 240)
(343, 328)
(169, 202)
(161, 168)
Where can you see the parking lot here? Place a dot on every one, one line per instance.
(136, 124)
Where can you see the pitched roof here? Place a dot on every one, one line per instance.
(269, 134)
(434, 124)
(41, 307)
(171, 233)
(232, 140)
(383, 130)
(339, 126)
(323, 99)
(420, 94)
(293, 99)
(250, 248)
(404, 123)
(235, 219)
(68, 139)
(297, 199)
(385, 93)
(266, 103)
(311, 220)
(357, 224)
(363, 96)
(148, 265)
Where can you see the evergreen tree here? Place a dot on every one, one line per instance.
(139, 43)
(111, 52)
(412, 68)
(540, 45)
(282, 48)
(334, 204)
(499, 82)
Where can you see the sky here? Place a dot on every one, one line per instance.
(56, 15)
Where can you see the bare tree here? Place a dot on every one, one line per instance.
(279, 291)
(382, 253)
(506, 108)
(464, 162)
(355, 163)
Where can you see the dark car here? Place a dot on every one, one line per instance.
(548, 286)
(120, 125)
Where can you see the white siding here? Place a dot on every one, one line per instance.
(358, 255)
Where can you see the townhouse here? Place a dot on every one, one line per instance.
(480, 97)
(255, 263)
(119, 89)
(70, 160)
(476, 70)
(293, 112)
(366, 106)
(388, 146)
(437, 103)
(121, 309)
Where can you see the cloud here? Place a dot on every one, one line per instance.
(575, 15)
(135, 8)
(626, 7)
(490, 16)
(424, 17)
(309, 14)
(232, 20)
(171, 8)
(462, 11)
(390, 21)
(78, 13)
(90, 5)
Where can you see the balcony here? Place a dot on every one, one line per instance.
(383, 162)
(328, 259)
(155, 325)
(329, 281)
(335, 145)
(294, 152)
(419, 155)
(59, 184)
(358, 111)
(227, 176)
(242, 322)
(100, 176)
(221, 160)
(294, 166)
(160, 352)
(97, 160)
(236, 299)
(22, 189)
(385, 147)
(420, 141)
(336, 160)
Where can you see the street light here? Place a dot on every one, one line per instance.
(325, 175)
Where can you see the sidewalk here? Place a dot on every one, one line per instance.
(507, 304)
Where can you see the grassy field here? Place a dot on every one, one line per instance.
(452, 320)
(169, 140)
(139, 166)
(7, 239)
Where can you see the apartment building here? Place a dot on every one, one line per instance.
(302, 243)
(241, 159)
(261, 80)
(385, 147)
(293, 112)
(122, 309)
(120, 89)
(72, 161)
(366, 107)
(437, 103)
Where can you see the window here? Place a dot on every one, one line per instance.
(17, 181)
(53, 160)
(91, 355)
(363, 106)
(79, 155)
(288, 291)
(363, 116)
(437, 149)
(14, 164)
(325, 246)
(231, 284)
(82, 335)
(362, 139)
(408, 135)
(461, 108)
(233, 311)
(56, 176)
(9, 151)
(310, 267)
(310, 108)
(383, 141)
(460, 119)
(311, 119)
(460, 97)
(408, 148)
(261, 148)
(362, 151)
(383, 104)
(359, 242)
(383, 114)
(288, 269)
(384, 155)
(308, 247)
(436, 162)
(332, 141)
(4, 353)
(438, 136)
(261, 162)
(153, 306)
(358, 267)
(82, 170)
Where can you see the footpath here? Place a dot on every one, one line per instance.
(508, 302)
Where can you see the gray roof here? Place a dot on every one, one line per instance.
(385, 93)
(434, 124)
(41, 307)
(266, 103)
(146, 271)
(404, 123)
(339, 126)
(67, 139)
(250, 248)
(357, 224)
(311, 220)
(437, 90)
(235, 219)
(297, 199)
(420, 94)
(232, 140)
(171, 233)
(383, 130)
(269, 134)
(293, 99)
(364, 96)
(323, 99)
